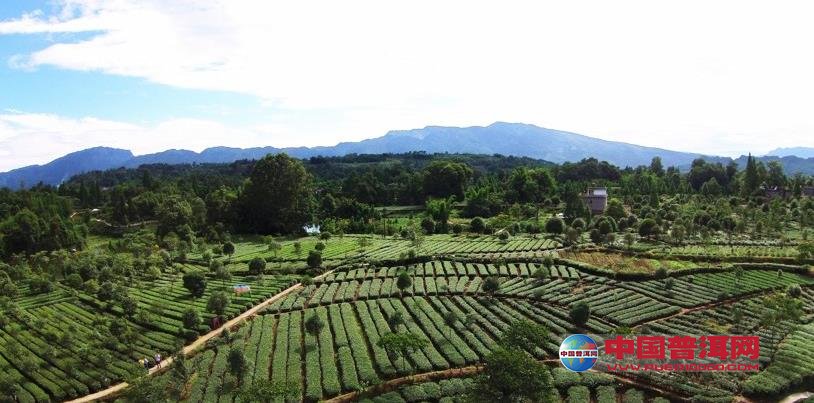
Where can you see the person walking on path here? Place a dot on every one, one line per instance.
(158, 360)
(146, 363)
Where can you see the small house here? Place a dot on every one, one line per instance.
(596, 199)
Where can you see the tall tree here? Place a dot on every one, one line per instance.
(446, 178)
(775, 175)
(278, 196)
(237, 363)
(656, 166)
(751, 177)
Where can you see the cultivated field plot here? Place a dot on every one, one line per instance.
(335, 248)
(68, 343)
(459, 245)
(379, 248)
(757, 251)
(357, 305)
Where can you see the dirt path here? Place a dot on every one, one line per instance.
(797, 397)
(197, 344)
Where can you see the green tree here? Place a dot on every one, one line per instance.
(257, 266)
(794, 291)
(711, 188)
(191, 319)
(180, 374)
(775, 175)
(510, 375)
(237, 363)
(446, 178)
(218, 302)
(401, 344)
(274, 247)
(267, 391)
(477, 225)
(314, 259)
(554, 225)
(278, 197)
(524, 335)
(195, 283)
(145, 389)
(805, 251)
(751, 177)
(9, 385)
(490, 285)
(579, 313)
(780, 307)
(7, 287)
(395, 320)
(648, 228)
(572, 236)
(172, 214)
(656, 167)
(615, 209)
(363, 242)
(403, 281)
(129, 306)
(629, 239)
(314, 325)
(228, 248)
(297, 248)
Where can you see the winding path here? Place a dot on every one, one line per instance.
(797, 397)
(198, 343)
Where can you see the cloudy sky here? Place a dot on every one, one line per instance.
(718, 77)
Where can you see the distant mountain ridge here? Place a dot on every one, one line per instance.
(516, 139)
(801, 152)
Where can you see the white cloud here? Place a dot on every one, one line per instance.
(27, 138)
(722, 77)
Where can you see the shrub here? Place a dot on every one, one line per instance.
(74, 281)
(477, 225)
(40, 285)
(555, 226)
(314, 259)
(579, 313)
(257, 266)
(191, 318)
(564, 378)
(457, 228)
(428, 225)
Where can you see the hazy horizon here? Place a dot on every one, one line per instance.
(725, 78)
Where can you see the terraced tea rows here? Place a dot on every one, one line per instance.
(52, 335)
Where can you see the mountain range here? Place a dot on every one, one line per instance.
(802, 152)
(498, 138)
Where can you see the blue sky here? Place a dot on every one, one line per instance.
(724, 78)
(77, 94)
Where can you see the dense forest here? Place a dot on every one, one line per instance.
(278, 195)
